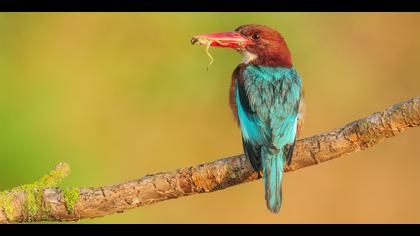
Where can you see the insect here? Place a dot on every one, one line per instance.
(200, 40)
(203, 41)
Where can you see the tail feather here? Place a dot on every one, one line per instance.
(273, 163)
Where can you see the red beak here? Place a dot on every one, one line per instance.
(223, 40)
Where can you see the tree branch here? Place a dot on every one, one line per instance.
(43, 201)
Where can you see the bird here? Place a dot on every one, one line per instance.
(266, 99)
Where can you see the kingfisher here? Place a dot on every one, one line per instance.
(266, 99)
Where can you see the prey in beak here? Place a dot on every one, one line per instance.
(222, 40)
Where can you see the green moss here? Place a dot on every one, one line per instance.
(53, 178)
(6, 204)
(33, 193)
(33, 201)
(71, 196)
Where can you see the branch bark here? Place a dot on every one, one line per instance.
(43, 201)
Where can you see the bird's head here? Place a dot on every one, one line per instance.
(258, 44)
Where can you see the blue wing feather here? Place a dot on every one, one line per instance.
(253, 129)
(268, 102)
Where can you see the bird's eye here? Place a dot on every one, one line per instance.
(256, 37)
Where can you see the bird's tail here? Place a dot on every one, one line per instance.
(273, 171)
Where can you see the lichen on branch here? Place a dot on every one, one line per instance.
(31, 195)
(71, 196)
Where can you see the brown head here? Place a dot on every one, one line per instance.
(259, 45)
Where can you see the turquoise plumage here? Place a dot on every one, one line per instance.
(268, 106)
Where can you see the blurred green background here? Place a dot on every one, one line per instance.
(121, 95)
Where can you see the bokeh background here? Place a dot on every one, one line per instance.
(121, 95)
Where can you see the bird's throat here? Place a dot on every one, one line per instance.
(247, 57)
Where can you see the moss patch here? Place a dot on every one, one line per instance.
(71, 196)
(32, 205)
(6, 205)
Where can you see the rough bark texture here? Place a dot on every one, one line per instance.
(42, 201)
